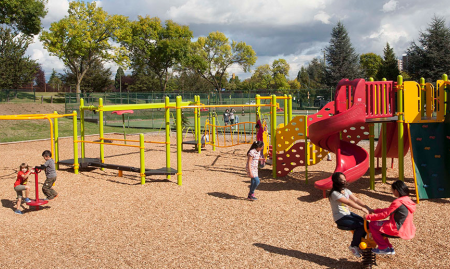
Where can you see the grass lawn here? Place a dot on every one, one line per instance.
(11, 131)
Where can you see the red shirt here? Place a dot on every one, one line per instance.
(259, 135)
(20, 180)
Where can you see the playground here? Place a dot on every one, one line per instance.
(100, 218)
(195, 214)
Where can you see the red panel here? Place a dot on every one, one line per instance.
(290, 159)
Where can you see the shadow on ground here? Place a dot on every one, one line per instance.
(311, 257)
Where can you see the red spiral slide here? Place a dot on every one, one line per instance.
(351, 159)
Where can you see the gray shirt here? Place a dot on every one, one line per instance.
(339, 209)
(50, 170)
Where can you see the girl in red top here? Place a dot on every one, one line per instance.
(21, 185)
(400, 223)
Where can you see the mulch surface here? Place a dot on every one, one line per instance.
(100, 220)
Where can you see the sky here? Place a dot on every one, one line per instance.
(294, 30)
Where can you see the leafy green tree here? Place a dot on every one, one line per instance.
(54, 81)
(370, 64)
(429, 58)
(118, 79)
(39, 79)
(16, 69)
(280, 71)
(84, 37)
(262, 77)
(342, 61)
(96, 79)
(389, 65)
(157, 47)
(234, 83)
(316, 73)
(144, 80)
(23, 15)
(211, 56)
(303, 77)
(294, 84)
(190, 81)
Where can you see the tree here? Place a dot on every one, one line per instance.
(84, 37)
(39, 79)
(23, 15)
(118, 79)
(96, 79)
(303, 77)
(294, 84)
(190, 81)
(429, 58)
(280, 71)
(16, 69)
(54, 81)
(312, 76)
(342, 61)
(157, 47)
(211, 56)
(262, 77)
(370, 64)
(389, 65)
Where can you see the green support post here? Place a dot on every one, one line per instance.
(197, 119)
(82, 127)
(273, 134)
(372, 155)
(214, 132)
(75, 143)
(286, 110)
(56, 142)
(306, 149)
(446, 107)
(179, 139)
(100, 126)
(290, 107)
(167, 116)
(400, 127)
(258, 103)
(422, 98)
(142, 157)
(384, 144)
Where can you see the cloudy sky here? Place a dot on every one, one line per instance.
(295, 30)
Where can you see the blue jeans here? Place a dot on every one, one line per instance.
(253, 184)
(356, 223)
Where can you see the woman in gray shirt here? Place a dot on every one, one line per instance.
(340, 199)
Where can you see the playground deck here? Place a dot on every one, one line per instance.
(101, 220)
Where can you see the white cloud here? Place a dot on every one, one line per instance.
(390, 6)
(323, 17)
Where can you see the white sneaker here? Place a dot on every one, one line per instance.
(355, 251)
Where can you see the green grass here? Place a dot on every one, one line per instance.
(12, 131)
(29, 97)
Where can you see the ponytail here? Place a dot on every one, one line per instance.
(256, 144)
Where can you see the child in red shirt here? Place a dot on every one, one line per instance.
(21, 185)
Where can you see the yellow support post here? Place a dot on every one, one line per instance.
(290, 107)
(286, 110)
(446, 110)
(214, 133)
(82, 127)
(258, 108)
(400, 127)
(75, 143)
(100, 126)
(179, 140)
(372, 156)
(167, 116)
(424, 113)
(142, 157)
(56, 155)
(273, 134)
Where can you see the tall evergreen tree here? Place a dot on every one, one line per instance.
(429, 58)
(118, 79)
(389, 65)
(342, 61)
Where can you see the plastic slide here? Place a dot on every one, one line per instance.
(392, 141)
(351, 159)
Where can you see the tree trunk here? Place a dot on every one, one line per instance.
(78, 90)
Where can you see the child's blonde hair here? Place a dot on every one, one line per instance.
(24, 165)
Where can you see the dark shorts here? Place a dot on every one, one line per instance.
(232, 121)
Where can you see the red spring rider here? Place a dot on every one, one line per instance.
(37, 202)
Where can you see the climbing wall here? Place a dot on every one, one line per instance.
(431, 151)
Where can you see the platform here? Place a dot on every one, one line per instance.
(380, 120)
(94, 162)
